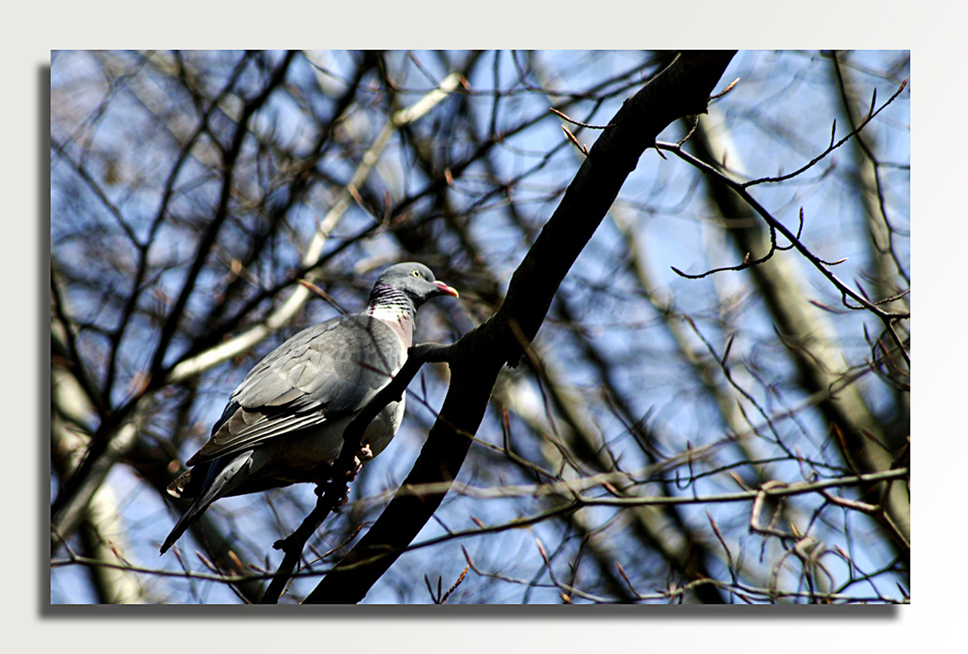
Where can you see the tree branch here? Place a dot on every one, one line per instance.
(681, 89)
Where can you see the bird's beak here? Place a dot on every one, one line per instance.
(446, 290)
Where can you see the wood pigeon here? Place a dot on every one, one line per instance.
(284, 423)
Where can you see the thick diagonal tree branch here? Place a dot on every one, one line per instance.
(681, 89)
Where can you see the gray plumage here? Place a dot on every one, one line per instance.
(284, 423)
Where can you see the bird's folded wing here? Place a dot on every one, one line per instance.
(325, 372)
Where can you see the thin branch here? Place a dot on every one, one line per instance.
(871, 114)
(887, 317)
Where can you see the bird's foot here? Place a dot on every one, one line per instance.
(362, 456)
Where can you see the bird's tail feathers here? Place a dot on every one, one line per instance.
(220, 479)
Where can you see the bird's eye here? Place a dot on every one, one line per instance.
(416, 273)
